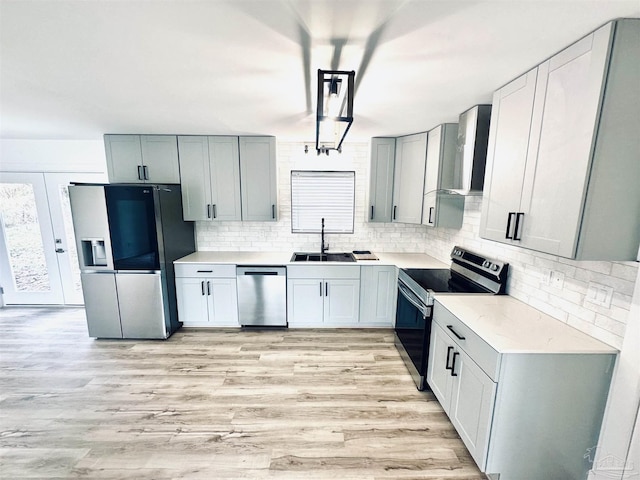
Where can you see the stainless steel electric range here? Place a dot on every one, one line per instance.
(469, 273)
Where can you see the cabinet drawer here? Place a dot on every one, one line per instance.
(318, 271)
(208, 270)
(473, 345)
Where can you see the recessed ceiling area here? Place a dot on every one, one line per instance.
(79, 69)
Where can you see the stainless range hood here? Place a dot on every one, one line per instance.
(471, 153)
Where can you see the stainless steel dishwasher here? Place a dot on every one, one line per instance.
(262, 296)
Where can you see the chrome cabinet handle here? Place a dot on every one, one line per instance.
(507, 233)
(145, 171)
(140, 174)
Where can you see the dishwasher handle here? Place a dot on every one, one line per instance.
(260, 270)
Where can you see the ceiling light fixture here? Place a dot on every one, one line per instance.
(335, 109)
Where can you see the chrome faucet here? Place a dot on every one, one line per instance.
(323, 247)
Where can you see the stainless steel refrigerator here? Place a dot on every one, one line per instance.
(127, 238)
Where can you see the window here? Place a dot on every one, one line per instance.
(316, 195)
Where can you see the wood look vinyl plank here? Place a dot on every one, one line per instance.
(297, 404)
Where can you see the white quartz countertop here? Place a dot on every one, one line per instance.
(511, 326)
(401, 260)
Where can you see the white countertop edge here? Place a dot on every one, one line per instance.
(400, 260)
(510, 326)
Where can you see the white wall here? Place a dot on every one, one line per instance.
(53, 156)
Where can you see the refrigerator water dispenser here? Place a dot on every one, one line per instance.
(94, 252)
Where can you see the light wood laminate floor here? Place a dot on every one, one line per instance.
(215, 404)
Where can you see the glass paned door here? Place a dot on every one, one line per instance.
(29, 271)
(39, 262)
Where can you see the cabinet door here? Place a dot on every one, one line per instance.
(223, 302)
(431, 177)
(305, 302)
(568, 95)
(225, 178)
(341, 301)
(507, 155)
(381, 182)
(258, 178)
(439, 377)
(124, 158)
(196, 184)
(471, 410)
(378, 292)
(408, 188)
(192, 301)
(160, 158)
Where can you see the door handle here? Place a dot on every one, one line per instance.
(208, 210)
(145, 171)
(208, 287)
(202, 286)
(140, 174)
(59, 250)
(273, 211)
(394, 211)
(430, 214)
(215, 213)
(447, 366)
(371, 212)
(453, 364)
(326, 289)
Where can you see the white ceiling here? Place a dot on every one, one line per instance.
(79, 69)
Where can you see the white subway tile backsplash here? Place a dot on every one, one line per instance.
(527, 268)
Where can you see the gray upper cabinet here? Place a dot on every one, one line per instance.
(142, 158)
(258, 178)
(408, 187)
(383, 152)
(210, 177)
(563, 152)
(440, 209)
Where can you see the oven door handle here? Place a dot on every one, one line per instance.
(413, 300)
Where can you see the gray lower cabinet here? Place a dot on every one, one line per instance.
(207, 295)
(142, 158)
(323, 296)
(378, 294)
(562, 163)
(523, 414)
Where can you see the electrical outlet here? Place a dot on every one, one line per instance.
(557, 279)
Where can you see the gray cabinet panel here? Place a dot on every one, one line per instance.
(381, 181)
(258, 178)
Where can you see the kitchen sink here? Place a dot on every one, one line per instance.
(325, 257)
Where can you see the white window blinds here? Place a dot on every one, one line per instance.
(316, 195)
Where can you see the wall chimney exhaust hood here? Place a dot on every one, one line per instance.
(471, 151)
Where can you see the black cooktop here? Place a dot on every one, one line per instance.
(443, 280)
